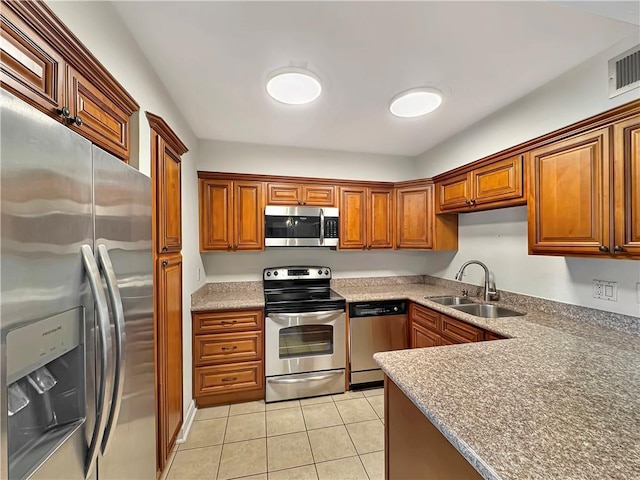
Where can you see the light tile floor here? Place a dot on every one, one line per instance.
(336, 437)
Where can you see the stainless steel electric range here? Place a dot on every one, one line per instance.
(305, 347)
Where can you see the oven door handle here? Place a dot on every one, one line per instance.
(322, 317)
(305, 379)
(321, 227)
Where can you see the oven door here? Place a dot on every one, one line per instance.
(305, 342)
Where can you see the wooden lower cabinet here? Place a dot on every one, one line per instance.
(414, 447)
(431, 329)
(169, 351)
(228, 356)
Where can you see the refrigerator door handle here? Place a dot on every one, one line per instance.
(118, 313)
(104, 366)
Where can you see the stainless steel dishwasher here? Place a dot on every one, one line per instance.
(374, 327)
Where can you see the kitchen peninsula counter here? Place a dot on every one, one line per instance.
(558, 400)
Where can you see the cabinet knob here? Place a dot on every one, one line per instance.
(64, 111)
(235, 247)
(165, 263)
(618, 248)
(369, 247)
(304, 202)
(603, 249)
(76, 121)
(467, 202)
(229, 247)
(165, 248)
(397, 245)
(299, 202)
(473, 201)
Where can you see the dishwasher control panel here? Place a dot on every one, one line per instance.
(377, 309)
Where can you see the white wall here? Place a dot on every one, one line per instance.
(218, 156)
(101, 30)
(499, 238)
(306, 162)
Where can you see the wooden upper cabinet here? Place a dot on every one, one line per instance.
(353, 218)
(30, 67)
(95, 116)
(418, 226)
(498, 184)
(569, 196)
(43, 63)
(169, 199)
(248, 216)
(380, 218)
(166, 152)
(414, 217)
(231, 215)
(366, 218)
(301, 194)
(626, 190)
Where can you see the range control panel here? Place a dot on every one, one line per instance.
(296, 273)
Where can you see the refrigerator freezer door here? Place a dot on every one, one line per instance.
(46, 204)
(123, 225)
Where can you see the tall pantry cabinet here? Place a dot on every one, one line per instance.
(166, 150)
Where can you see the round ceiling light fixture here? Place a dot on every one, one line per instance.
(415, 102)
(294, 86)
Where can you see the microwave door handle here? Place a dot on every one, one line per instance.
(321, 226)
(118, 313)
(105, 368)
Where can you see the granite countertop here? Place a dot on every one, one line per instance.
(559, 399)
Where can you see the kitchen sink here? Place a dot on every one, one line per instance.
(487, 310)
(450, 300)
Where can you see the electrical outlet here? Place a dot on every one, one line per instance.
(605, 290)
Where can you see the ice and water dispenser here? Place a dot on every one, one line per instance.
(45, 388)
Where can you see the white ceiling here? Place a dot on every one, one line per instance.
(214, 57)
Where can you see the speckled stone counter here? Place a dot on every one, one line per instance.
(227, 296)
(558, 400)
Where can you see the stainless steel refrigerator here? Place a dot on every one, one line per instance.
(76, 283)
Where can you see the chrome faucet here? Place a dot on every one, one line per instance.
(489, 291)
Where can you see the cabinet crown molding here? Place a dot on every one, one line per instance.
(166, 132)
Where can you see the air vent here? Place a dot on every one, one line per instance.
(624, 72)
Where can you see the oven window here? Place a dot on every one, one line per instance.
(306, 341)
(292, 227)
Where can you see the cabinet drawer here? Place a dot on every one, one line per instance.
(232, 321)
(228, 378)
(425, 317)
(461, 332)
(227, 347)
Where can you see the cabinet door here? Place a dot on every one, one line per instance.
(414, 217)
(216, 225)
(353, 206)
(380, 218)
(102, 121)
(169, 350)
(627, 187)
(283, 194)
(498, 182)
(569, 197)
(29, 67)
(319, 195)
(169, 220)
(422, 337)
(248, 216)
(455, 192)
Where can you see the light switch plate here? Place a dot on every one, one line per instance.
(605, 290)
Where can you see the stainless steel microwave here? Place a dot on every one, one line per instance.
(300, 226)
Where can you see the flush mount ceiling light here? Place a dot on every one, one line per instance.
(294, 86)
(415, 102)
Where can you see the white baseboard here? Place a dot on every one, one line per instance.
(188, 421)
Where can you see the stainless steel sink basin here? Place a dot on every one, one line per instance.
(450, 300)
(487, 310)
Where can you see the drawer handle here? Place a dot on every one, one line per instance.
(226, 349)
(229, 379)
(232, 322)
